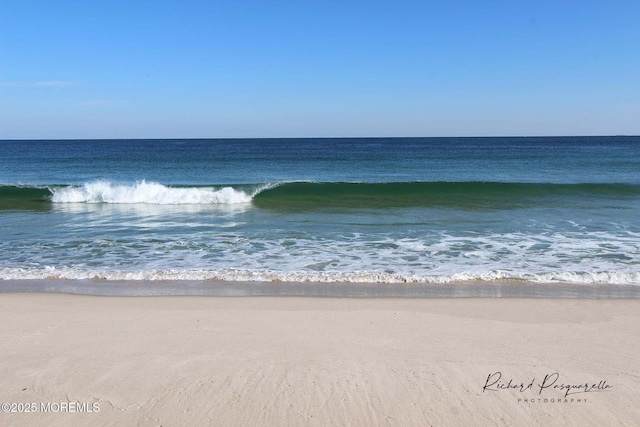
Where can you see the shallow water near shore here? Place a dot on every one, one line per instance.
(332, 290)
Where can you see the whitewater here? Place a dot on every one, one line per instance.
(147, 192)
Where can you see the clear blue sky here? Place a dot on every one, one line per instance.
(136, 69)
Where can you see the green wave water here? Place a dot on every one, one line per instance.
(490, 195)
(314, 195)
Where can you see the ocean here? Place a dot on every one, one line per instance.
(359, 210)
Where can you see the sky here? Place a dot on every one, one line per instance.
(324, 68)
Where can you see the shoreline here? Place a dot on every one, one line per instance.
(319, 361)
(144, 288)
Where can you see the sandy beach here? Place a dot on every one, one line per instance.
(151, 361)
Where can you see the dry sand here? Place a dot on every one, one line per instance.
(270, 361)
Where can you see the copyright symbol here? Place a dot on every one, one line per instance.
(6, 407)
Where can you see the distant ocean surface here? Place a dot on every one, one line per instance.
(381, 210)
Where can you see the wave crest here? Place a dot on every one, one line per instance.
(147, 192)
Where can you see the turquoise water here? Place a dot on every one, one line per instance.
(328, 210)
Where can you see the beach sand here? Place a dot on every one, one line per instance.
(266, 361)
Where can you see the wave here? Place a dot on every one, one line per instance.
(148, 193)
(465, 195)
(24, 197)
(306, 195)
(237, 275)
(139, 193)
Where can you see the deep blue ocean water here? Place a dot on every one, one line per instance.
(330, 210)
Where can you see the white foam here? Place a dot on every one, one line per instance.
(238, 275)
(148, 193)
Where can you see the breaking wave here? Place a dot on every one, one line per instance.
(149, 193)
(309, 195)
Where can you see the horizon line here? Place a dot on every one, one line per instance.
(319, 137)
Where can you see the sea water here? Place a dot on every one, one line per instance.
(381, 210)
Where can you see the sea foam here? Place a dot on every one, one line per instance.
(148, 193)
(240, 275)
